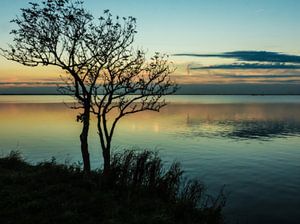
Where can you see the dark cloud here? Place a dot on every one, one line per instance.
(252, 56)
(274, 81)
(249, 66)
(259, 76)
(267, 82)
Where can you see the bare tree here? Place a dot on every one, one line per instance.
(129, 84)
(62, 33)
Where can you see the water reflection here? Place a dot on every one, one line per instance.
(235, 121)
(239, 121)
(206, 134)
(264, 129)
(242, 130)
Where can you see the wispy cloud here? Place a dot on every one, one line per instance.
(259, 11)
(251, 56)
(249, 66)
(260, 76)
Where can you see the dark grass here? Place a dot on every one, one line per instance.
(137, 190)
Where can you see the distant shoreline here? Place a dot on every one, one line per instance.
(46, 94)
(184, 89)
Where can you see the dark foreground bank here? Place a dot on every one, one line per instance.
(138, 190)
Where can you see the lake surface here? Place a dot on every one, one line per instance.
(251, 144)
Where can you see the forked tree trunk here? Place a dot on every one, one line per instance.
(84, 141)
(105, 142)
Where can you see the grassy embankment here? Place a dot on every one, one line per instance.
(138, 190)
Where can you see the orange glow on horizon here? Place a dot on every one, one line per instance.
(13, 74)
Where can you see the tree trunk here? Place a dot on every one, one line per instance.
(84, 141)
(106, 158)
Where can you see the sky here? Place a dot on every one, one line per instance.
(211, 42)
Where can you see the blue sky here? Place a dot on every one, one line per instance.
(194, 27)
(197, 26)
(212, 25)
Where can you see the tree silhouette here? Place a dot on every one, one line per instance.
(62, 33)
(129, 84)
(98, 58)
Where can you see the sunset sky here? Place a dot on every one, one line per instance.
(215, 42)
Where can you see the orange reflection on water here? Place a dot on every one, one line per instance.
(57, 119)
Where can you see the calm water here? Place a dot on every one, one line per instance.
(249, 143)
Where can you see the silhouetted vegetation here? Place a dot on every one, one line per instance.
(102, 67)
(138, 190)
